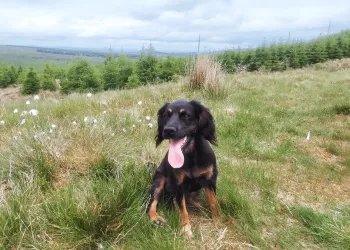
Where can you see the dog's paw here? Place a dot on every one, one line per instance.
(157, 219)
(186, 230)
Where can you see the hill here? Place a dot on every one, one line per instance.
(76, 175)
(32, 57)
(37, 57)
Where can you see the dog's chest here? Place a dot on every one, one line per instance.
(194, 173)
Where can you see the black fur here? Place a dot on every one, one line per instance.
(191, 119)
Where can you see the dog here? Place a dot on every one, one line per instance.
(190, 163)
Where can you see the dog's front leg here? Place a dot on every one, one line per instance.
(156, 189)
(181, 202)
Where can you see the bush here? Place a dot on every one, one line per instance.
(133, 82)
(32, 83)
(146, 68)
(116, 72)
(81, 77)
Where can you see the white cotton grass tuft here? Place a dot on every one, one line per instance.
(33, 112)
(134, 126)
(24, 112)
(308, 136)
(124, 130)
(113, 134)
(23, 121)
(15, 111)
(28, 102)
(150, 125)
(36, 97)
(88, 94)
(139, 102)
(53, 126)
(2, 122)
(57, 154)
(94, 121)
(86, 119)
(148, 118)
(74, 123)
(104, 112)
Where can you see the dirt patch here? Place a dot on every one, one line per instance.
(298, 188)
(10, 94)
(317, 149)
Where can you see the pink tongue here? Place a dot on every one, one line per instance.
(175, 155)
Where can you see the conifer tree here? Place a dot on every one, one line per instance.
(32, 83)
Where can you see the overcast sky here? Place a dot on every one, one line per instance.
(170, 25)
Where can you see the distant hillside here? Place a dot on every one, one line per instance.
(31, 57)
(37, 57)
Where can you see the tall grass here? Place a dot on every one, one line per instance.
(205, 72)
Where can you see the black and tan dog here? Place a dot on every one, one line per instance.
(190, 162)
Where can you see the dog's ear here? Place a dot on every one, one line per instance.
(159, 137)
(206, 124)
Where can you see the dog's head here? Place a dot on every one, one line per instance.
(182, 120)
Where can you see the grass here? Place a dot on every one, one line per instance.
(84, 185)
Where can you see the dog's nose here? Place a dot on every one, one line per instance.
(169, 131)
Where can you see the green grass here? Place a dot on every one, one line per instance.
(330, 230)
(30, 57)
(85, 185)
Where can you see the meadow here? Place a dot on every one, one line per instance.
(30, 57)
(75, 169)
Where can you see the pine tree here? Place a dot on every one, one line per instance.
(340, 47)
(274, 60)
(146, 66)
(329, 49)
(253, 64)
(302, 55)
(82, 77)
(48, 79)
(281, 52)
(227, 61)
(293, 57)
(32, 83)
(238, 58)
(133, 82)
(125, 69)
(110, 73)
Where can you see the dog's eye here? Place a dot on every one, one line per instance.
(165, 116)
(187, 116)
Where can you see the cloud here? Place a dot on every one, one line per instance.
(171, 25)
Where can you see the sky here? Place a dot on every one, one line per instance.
(171, 26)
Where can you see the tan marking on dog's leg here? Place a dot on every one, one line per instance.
(212, 203)
(186, 229)
(170, 110)
(153, 209)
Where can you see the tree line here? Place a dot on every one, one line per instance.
(82, 76)
(281, 56)
(122, 72)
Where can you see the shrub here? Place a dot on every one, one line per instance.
(146, 68)
(133, 82)
(81, 77)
